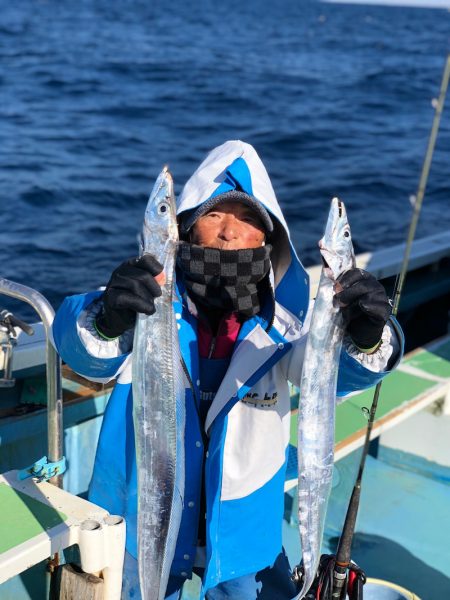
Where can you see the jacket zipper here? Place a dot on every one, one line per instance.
(272, 318)
(196, 399)
(212, 346)
(191, 384)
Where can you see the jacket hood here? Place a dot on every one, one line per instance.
(235, 165)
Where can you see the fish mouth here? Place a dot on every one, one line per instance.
(326, 268)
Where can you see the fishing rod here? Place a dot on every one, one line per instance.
(343, 554)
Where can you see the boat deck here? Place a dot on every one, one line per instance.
(422, 378)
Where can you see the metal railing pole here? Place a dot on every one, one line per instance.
(53, 368)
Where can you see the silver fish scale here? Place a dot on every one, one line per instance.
(158, 410)
(316, 415)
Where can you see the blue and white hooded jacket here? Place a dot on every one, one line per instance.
(247, 440)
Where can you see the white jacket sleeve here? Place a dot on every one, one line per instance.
(377, 363)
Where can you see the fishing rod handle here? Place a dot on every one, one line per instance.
(339, 583)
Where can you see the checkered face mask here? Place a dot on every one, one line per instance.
(224, 279)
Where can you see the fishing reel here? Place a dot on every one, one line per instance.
(316, 591)
(322, 588)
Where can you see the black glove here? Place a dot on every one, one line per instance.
(131, 289)
(365, 307)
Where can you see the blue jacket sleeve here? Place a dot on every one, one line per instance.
(354, 376)
(70, 346)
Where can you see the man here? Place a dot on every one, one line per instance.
(241, 305)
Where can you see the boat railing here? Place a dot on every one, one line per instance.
(53, 368)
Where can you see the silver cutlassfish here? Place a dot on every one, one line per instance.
(316, 415)
(158, 404)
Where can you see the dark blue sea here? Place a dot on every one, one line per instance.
(96, 96)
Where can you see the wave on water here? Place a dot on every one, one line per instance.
(98, 96)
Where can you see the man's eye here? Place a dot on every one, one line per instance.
(251, 220)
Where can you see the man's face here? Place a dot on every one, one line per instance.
(229, 226)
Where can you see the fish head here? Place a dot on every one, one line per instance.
(336, 246)
(160, 220)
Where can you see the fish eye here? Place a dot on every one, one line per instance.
(347, 233)
(163, 208)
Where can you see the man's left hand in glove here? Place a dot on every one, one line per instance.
(365, 308)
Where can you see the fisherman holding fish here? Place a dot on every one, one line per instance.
(241, 311)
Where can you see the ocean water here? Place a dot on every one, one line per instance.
(97, 96)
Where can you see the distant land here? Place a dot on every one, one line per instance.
(411, 3)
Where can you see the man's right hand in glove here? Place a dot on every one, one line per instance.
(132, 289)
